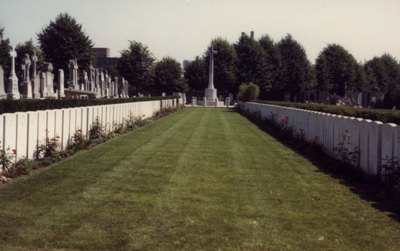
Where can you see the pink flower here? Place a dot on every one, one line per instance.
(284, 119)
(14, 151)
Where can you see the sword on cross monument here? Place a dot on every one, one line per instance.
(211, 51)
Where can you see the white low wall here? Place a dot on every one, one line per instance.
(24, 131)
(375, 140)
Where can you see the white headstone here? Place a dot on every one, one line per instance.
(116, 93)
(3, 93)
(60, 87)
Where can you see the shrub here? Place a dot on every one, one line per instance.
(21, 167)
(50, 149)
(345, 152)
(385, 116)
(248, 92)
(11, 106)
(164, 112)
(78, 142)
(391, 176)
(6, 160)
(97, 130)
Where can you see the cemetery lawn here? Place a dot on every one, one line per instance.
(200, 179)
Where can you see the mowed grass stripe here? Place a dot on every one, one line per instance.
(198, 179)
(58, 194)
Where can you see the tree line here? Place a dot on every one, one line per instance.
(64, 39)
(282, 71)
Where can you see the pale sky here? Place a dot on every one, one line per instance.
(182, 29)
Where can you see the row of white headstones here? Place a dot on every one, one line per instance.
(98, 83)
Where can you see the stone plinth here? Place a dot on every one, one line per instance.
(211, 93)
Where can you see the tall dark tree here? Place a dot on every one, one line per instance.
(270, 86)
(168, 76)
(383, 75)
(137, 66)
(250, 60)
(5, 60)
(336, 70)
(224, 66)
(64, 39)
(27, 48)
(196, 75)
(295, 71)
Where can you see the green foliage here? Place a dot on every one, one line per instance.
(11, 106)
(385, 116)
(346, 152)
(136, 65)
(97, 130)
(77, 143)
(196, 74)
(164, 112)
(133, 122)
(250, 59)
(295, 69)
(21, 167)
(168, 76)
(269, 83)
(336, 70)
(224, 66)
(391, 176)
(383, 75)
(5, 60)
(248, 92)
(49, 149)
(7, 159)
(64, 39)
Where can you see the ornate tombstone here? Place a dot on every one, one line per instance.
(48, 78)
(12, 90)
(91, 78)
(107, 84)
(116, 94)
(85, 81)
(102, 83)
(26, 65)
(35, 77)
(73, 74)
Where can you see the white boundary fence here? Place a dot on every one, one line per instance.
(23, 131)
(377, 142)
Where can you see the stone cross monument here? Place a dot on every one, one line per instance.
(73, 74)
(211, 92)
(27, 79)
(12, 91)
(35, 77)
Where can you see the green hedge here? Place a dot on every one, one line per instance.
(10, 106)
(385, 116)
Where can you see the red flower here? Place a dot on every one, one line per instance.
(14, 151)
(284, 119)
